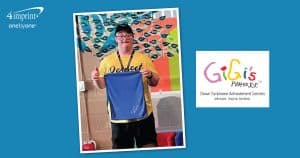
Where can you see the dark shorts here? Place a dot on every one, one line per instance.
(126, 135)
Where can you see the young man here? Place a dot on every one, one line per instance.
(128, 133)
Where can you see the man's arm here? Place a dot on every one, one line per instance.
(153, 81)
(98, 81)
(153, 78)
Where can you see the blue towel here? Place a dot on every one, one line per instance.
(125, 93)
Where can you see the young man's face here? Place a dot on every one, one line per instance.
(124, 39)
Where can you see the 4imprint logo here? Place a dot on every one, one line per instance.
(24, 18)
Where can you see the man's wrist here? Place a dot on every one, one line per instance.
(150, 77)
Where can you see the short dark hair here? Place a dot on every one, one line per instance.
(123, 27)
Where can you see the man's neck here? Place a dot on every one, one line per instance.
(125, 52)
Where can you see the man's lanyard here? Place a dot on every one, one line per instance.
(128, 64)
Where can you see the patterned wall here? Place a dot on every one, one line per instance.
(155, 33)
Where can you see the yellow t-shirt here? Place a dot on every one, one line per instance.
(139, 61)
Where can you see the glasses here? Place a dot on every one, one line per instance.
(124, 35)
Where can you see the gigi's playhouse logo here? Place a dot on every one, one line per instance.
(232, 79)
(238, 74)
